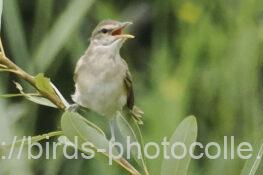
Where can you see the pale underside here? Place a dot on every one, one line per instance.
(99, 82)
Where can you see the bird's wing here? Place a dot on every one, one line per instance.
(129, 88)
(135, 111)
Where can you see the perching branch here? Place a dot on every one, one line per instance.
(9, 66)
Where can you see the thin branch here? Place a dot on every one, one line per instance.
(18, 95)
(32, 139)
(8, 70)
(13, 68)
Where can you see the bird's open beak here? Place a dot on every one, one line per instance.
(119, 31)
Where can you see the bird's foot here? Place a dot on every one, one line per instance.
(73, 107)
(112, 139)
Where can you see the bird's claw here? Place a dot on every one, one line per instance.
(73, 107)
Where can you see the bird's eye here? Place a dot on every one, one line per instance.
(104, 30)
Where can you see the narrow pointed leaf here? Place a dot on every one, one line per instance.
(33, 98)
(41, 101)
(185, 133)
(125, 131)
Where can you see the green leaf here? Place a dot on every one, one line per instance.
(34, 98)
(54, 41)
(125, 130)
(44, 84)
(75, 126)
(41, 101)
(185, 133)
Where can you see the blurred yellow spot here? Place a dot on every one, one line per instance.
(170, 89)
(189, 13)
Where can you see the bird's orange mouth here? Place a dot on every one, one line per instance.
(119, 32)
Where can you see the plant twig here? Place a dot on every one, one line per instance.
(33, 139)
(8, 70)
(18, 95)
(12, 67)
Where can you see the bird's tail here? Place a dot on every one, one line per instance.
(137, 114)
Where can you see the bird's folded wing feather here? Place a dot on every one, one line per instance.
(135, 111)
(129, 88)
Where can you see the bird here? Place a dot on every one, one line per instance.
(103, 82)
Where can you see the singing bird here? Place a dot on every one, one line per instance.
(102, 78)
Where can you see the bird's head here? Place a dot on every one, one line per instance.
(110, 33)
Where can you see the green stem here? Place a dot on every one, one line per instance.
(18, 95)
(33, 139)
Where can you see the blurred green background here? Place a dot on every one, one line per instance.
(195, 57)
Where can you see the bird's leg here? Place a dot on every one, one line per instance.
(73, 107)
(111, 123)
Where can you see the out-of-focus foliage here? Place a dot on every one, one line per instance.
(189, 57)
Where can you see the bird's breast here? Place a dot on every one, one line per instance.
(100, 85)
